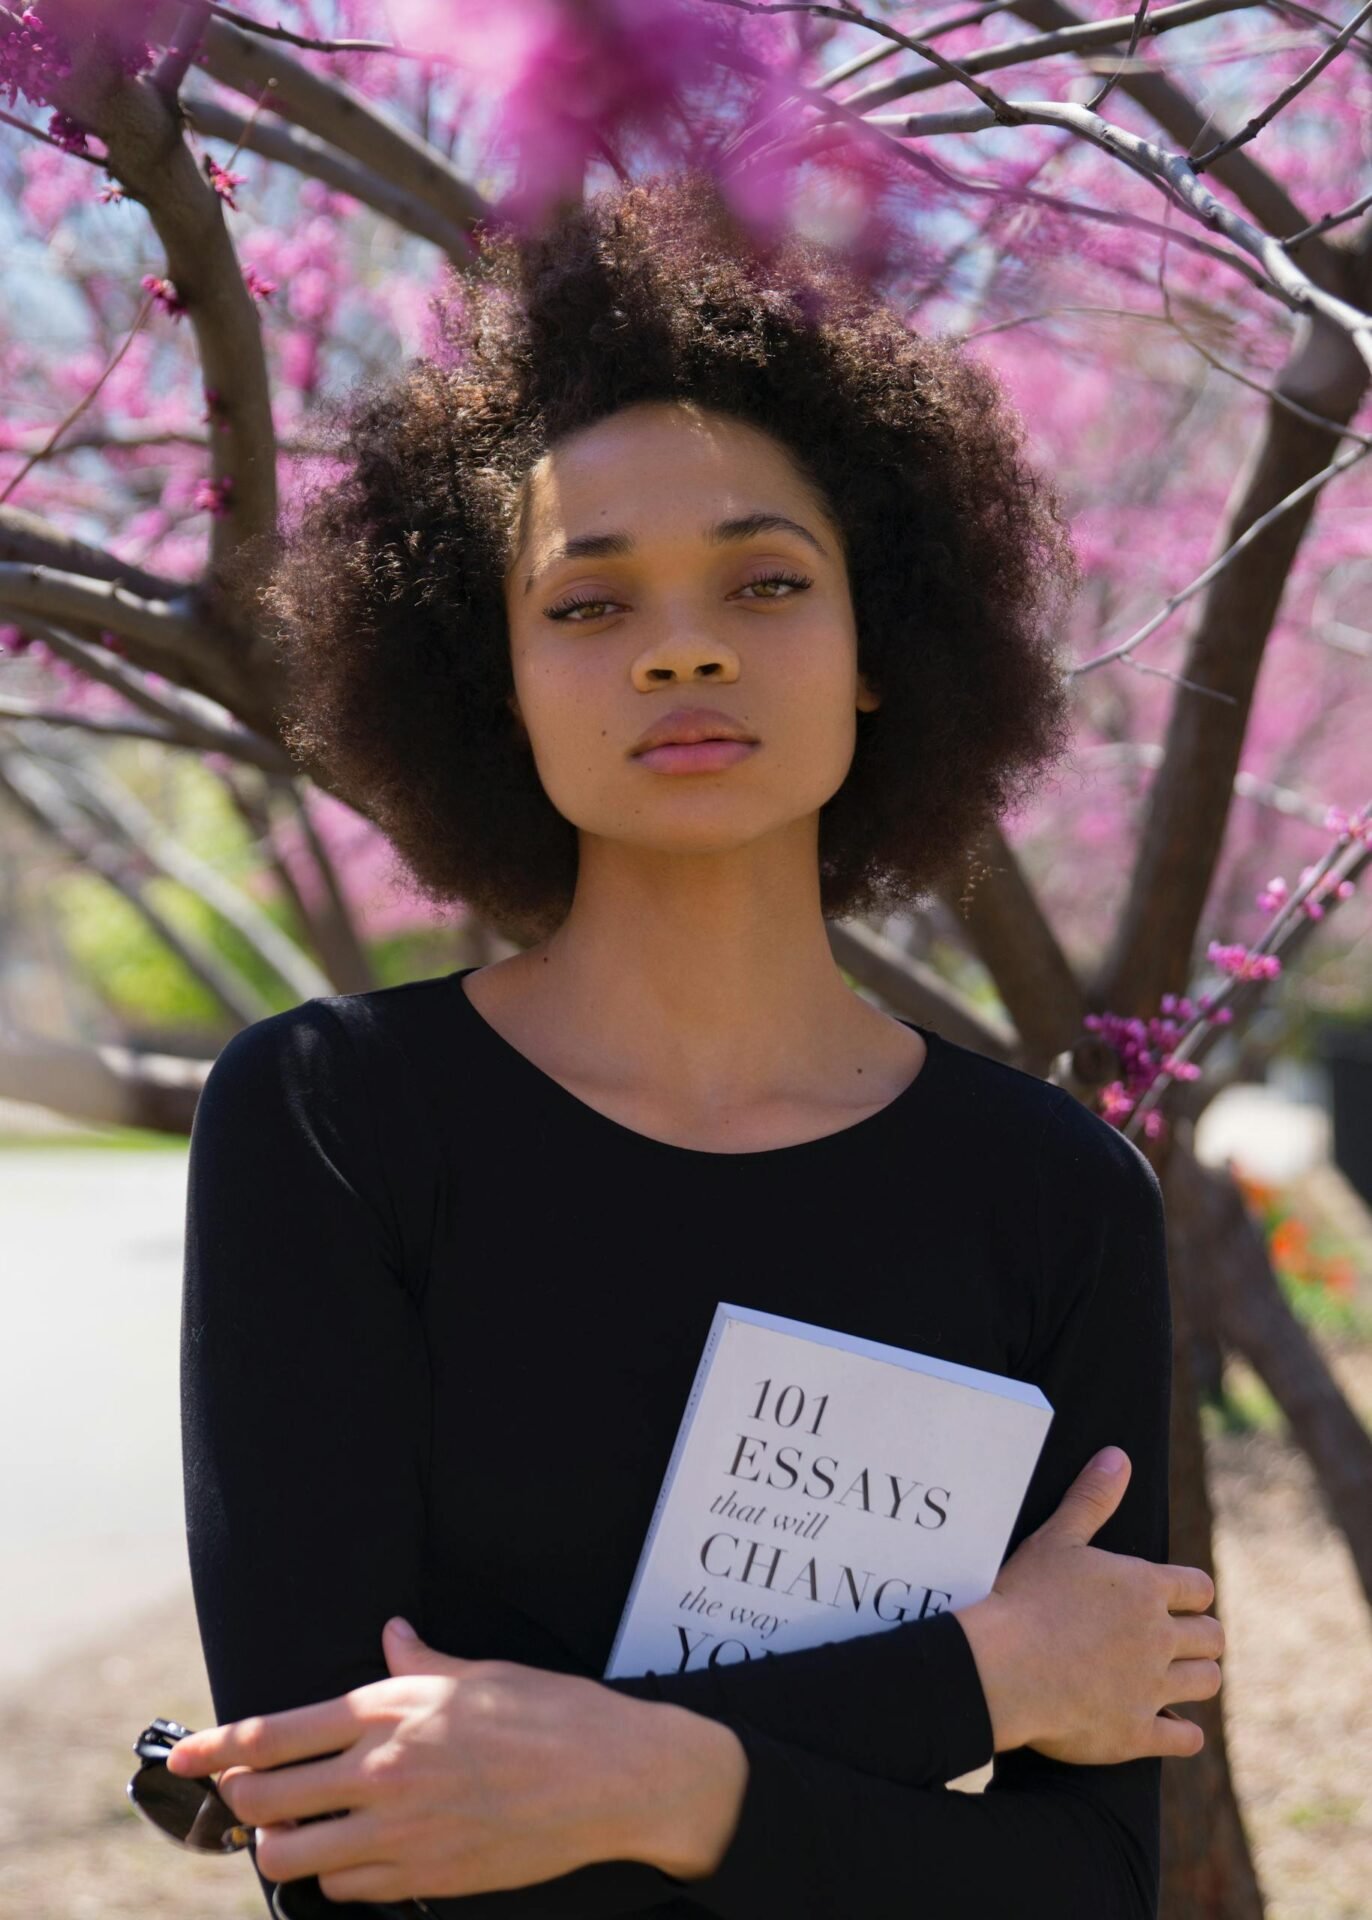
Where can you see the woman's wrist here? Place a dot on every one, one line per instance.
(693, 1780)
(991, 1627)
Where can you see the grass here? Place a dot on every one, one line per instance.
(119, 1139)
(1245, 1405)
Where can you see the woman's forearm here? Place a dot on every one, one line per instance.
(694, 1769)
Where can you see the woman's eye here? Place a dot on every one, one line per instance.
(792, 580)
(569, 607)
(594, 609)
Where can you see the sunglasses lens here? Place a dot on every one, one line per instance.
(186, 1810)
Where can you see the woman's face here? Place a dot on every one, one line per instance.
(643, 587)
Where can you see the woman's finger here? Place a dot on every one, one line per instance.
(290, 1793)
(291, 1851)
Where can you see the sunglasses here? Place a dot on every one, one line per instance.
(192, 1812)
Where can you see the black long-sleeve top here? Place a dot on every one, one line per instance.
(415, 1263)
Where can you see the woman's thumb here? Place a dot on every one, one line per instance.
(1093, 1496)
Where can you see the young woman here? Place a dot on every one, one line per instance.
(686, 600)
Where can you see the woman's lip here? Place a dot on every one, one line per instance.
(702, 756)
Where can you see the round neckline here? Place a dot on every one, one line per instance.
(894, 1108)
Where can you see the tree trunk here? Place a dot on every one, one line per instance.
(1236, 1293)
(1207, 1866)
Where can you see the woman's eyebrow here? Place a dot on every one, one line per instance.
(597, 546)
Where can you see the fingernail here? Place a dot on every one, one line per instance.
(401, 1627)
(1110, 1460)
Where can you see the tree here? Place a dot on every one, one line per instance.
(240, 216)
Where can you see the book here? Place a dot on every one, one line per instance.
(823, 1485)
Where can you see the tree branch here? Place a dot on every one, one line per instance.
(188, 719)
(26, 537)
(1151, 951)
(334, 113)
(149, 157)
(169, 631)
(1063, 30)
(33, 786)
(255, 927)
(112, 726)
(914, 991)
(1011, 936)
(293, 147)
(1247, 1308)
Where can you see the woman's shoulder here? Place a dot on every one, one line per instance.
(331, 1050)
(1070, 1141)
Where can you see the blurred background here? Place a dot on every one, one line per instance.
(212, 222)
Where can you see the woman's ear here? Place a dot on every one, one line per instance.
(867, 701)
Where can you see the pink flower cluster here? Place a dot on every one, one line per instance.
(222, 180)
(1145, 1049)
(575, 78)
(34, 55)
(1243, 964)
(32, 58)
(215, 496)
(258, 285)
(69, 134)
(1348, 826)
(164, 293)
(1276, 894)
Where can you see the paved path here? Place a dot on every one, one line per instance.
(90, 1436)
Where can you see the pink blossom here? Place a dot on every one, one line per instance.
(69, 134)
(299, 359)
(257, 284)
(32, 57)
(1239, 961)
(222, 180)
(213, 496)
(164, 293)
(312, 294)
(573, 75)
(1180, 1069)
(35, 55)
(52, 187)
(1115, 1104)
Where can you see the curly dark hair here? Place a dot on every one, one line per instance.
(386, 600)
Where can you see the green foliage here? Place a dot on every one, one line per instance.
(1244, 1405)
(109, 943)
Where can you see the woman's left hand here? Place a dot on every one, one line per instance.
(457, 1776)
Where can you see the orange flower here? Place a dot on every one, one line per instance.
(1339, 1275)
(1288, 1241)
(1259, 1193)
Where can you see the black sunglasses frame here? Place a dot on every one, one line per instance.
(152, 1747)
(290, 1899)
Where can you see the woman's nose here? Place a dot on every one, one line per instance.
(685, 659)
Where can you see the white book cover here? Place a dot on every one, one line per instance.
(822, 1485)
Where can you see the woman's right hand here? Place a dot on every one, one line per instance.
(1080, 1650)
